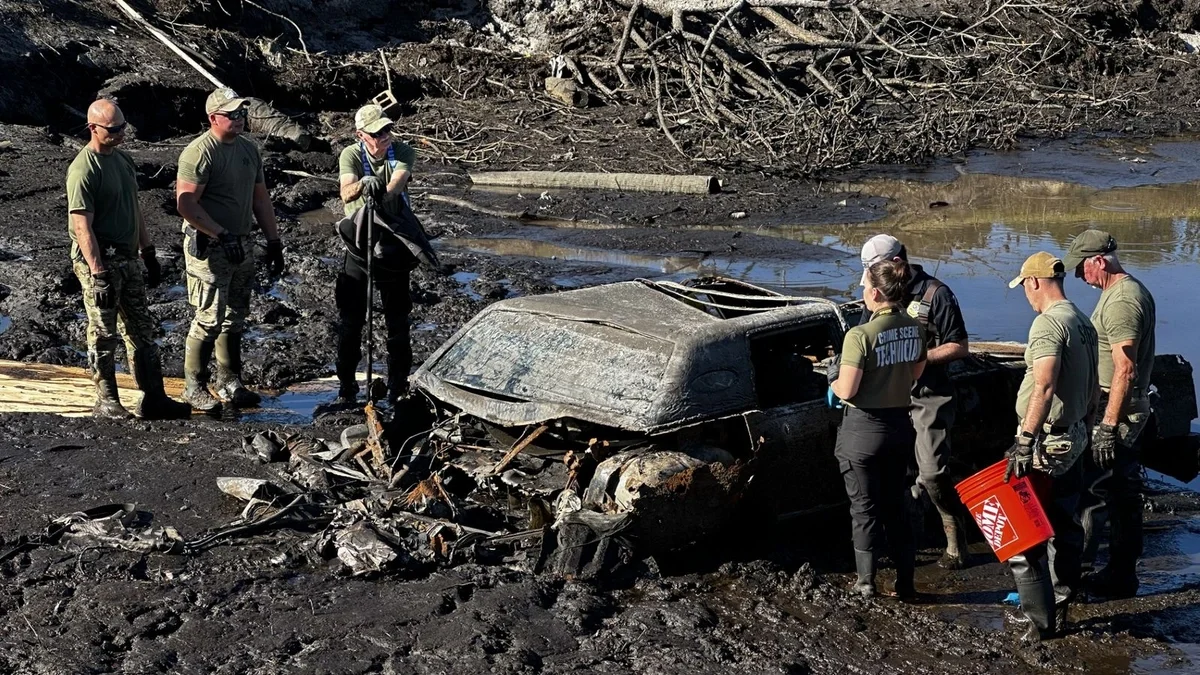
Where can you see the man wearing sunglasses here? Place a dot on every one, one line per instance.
(107, 232)
(379, 168)
(220, 191)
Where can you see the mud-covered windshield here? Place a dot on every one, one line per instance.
(539, 358)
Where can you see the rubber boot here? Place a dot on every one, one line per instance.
(956, 555)
(865, 565)
(229, 387)
(1105, 583)
(155, 404)
(347, 395)
(196, 356)
(397, 387)
(108, 400)
(1037, 598)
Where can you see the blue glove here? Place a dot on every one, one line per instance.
(832, 399)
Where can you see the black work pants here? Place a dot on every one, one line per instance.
(351, 297)
(1115, 495)
(873, 450)
(1047, 575)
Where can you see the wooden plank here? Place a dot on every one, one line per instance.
(65, 390)
(641, 182)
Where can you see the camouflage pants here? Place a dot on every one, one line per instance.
(217, 288)
(130, 319)
(1059, 450)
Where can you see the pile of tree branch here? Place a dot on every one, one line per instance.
(816, 85)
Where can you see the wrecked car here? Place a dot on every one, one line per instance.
(683, 404)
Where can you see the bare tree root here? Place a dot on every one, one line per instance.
(816, 85)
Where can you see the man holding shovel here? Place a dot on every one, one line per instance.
(1055, 404)
(384, 242)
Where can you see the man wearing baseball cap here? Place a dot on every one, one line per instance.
(220, 191)
(377, 167)
(1124, 318)
(1056, 400)
(934, 306)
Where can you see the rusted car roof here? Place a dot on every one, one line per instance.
(629, 355)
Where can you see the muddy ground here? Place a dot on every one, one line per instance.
(772, 605)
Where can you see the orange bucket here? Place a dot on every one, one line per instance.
(1009, 514)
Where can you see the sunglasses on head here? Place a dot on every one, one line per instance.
(239, 114)
(382, 133)
(115, 129)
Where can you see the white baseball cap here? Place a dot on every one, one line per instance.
(877, 249)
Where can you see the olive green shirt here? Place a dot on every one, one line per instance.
(1065, 332)
(350, 164)
(887, 349)
(106, 187)
(228, 172)
(1126, 312)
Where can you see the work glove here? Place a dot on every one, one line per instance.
(1104, 445)
(275, 257)
(1020, 458)
(834, 369)
(373, 187)
(232, 247)
(103, 291)
(446, 269)
(153, 269)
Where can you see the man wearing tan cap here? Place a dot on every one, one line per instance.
(1054, 406)
(220, 192)
(1124, 318)
(377, 168)
(934, 306)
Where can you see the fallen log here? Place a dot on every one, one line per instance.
(641, 182)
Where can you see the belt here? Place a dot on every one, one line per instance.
(1057, 429)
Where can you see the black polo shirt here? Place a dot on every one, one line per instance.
(945, 325)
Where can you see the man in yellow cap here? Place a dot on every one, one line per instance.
(107, 230)
(377, 168)
(220, 191)
(1124, 318)
(1054, 406)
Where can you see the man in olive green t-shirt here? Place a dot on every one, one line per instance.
(376, 167)
(1124, 319)
(107, 230)
(219, 189)
(1054, 406)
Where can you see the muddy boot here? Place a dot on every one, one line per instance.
(155, 405)
(197, 354)
(397, 388)
(956, 555)
(1106, 584)
(229, 373)
(347, 395)
(1037, 599)
(104, 374)
(108, 401)
(865, 565)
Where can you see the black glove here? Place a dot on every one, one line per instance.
(373, 187)
(232, 247)
(445, 269)
(1104, 445)
(275, 257)
(834, 369)
(1020, 458)
(103, 291)
(153, 269)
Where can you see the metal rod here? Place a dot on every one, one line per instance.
(370, 253)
